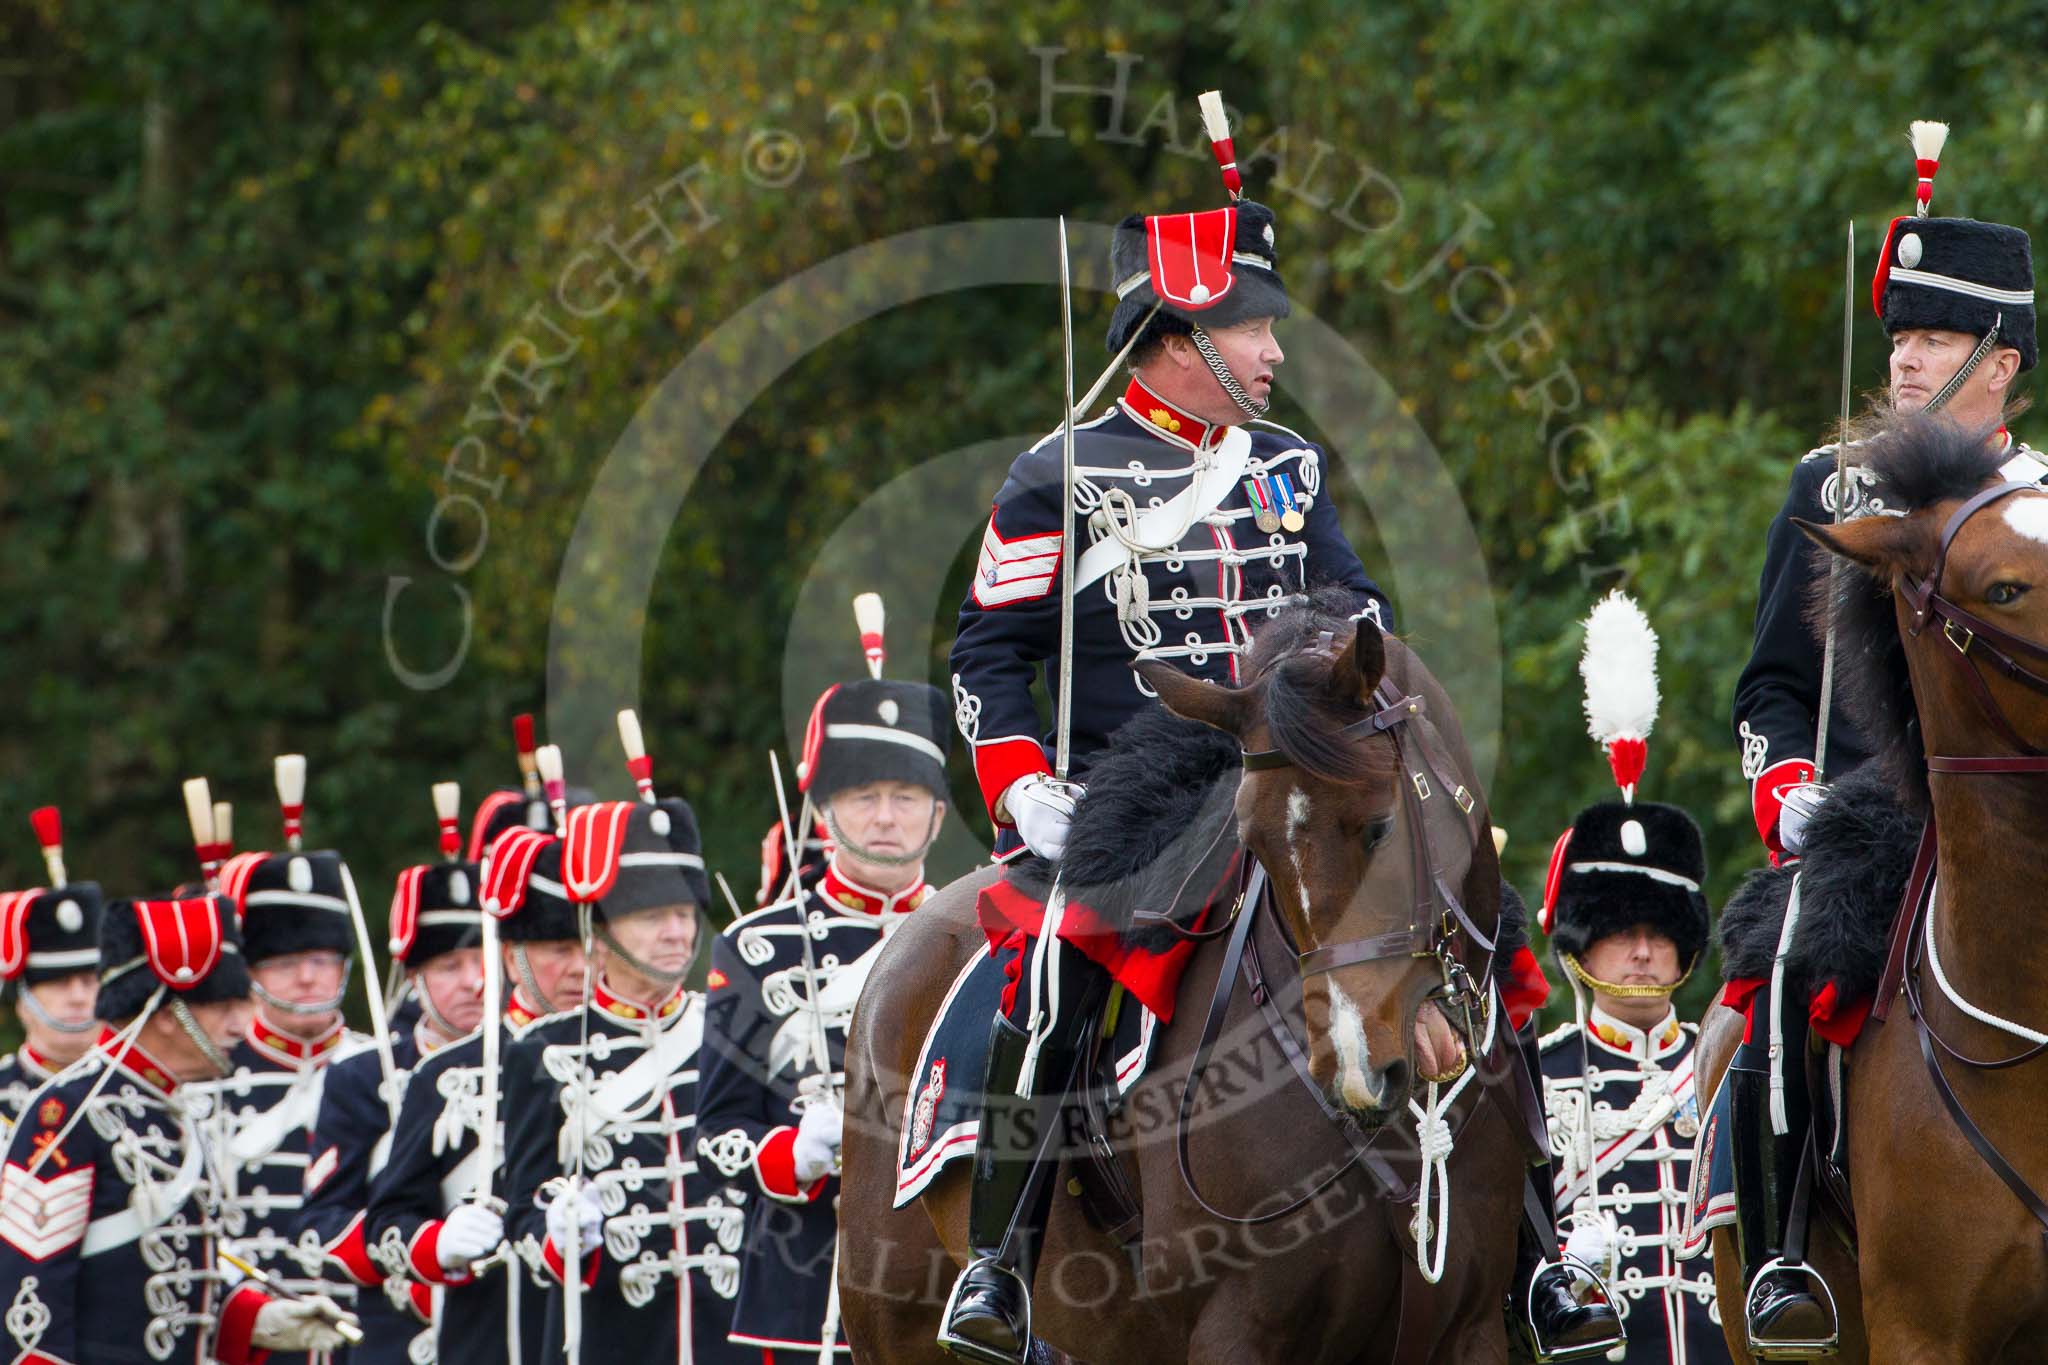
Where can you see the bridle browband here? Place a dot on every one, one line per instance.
(1975, 638)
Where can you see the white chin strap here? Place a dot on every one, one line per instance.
(1214, 358)
(1962, 376)
(294, 1007)
(208, 1049)
(51, 1021)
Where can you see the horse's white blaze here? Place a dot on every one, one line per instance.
(1356, 1085)
(2028, 516)
(1297, 813)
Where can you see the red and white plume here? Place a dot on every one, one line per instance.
(637, 761)
(548, 763)
(1217, 123)
(448, 814)
(224, 828)
(1927, 142)
(207, 845)
(49, 827)
(868, 616)
(522, 741)
(1620, 669)
(290, 772)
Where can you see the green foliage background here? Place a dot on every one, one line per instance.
(256, 259)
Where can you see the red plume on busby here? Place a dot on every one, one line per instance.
(1619, 666)
(638, 762)
(49, 827)
(49, 932)
(1216, 122)
(434, 906)
(1928, 138)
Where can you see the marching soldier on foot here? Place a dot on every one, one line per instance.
(298, 924)
(435, 931)
(430, 1210)
(1190, 519)
(1627, 924)
(782, 988)
(602, 1179)
(49, 952)
(1957, 299)
(111, 1211)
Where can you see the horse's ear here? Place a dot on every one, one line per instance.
(1886, 546)
(1358, 670)
(1225, 708)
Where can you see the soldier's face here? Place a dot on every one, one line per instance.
(1252, 354)
(68, 1000)
(309, 978)
(1639, 956)
(556, 967)
(891, 818)
(1925, 358)
(663, 938)
(454, 984)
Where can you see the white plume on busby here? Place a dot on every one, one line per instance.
(1619, 666)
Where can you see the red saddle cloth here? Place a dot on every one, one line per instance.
(1009, 914)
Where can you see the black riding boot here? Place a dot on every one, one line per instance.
(1789, 1311)
(1559, 1317)
(1016, 1157)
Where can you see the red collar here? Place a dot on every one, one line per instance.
(35, 1063)
(1166, 421)
(1655, 1045)
(847, 894)
(618, 1006)
(516, 1013)
(282, 1047)
(137, 1063)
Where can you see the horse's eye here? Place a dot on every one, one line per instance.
(1378, 832)
(2005, 594)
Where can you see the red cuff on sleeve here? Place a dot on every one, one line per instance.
(424, 1256)
(1765, 803)
(551, 1256)
(232, 1345)
(421, 1296)
(1523, 987)
(1000, 762)
(775, 1168)
(352, 1254)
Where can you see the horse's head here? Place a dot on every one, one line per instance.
(1321, 806)
(1961, 603)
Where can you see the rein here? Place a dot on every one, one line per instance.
(1972, 638)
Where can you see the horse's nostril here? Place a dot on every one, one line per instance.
(1394, 1081)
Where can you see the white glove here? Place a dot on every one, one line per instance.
(1593, 1242)
(579, 1213)
(1800, 805)
(1041, 808)
(816, 1151)
(298, 1325)
(469, 1233)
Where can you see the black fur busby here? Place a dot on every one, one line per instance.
(47, 934)
(523, 871)
(192, 946)
(435, 911)
(1622, 865)
(503, 809)
(627, 856)
(1255, 291)
(290, 903)
(1959, 275)
(876, 731)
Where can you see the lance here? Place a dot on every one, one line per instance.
(548, 763)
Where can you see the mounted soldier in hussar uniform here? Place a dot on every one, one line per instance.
(1165, 529)
(1957, 300)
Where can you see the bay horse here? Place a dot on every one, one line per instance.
(1940, 1255)
(1341, 733)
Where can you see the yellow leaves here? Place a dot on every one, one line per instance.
(390, 85)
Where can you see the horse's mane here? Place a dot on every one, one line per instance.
(1919, 460)
(1153, 835)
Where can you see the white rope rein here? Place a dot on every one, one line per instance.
(1955, 997)
(1434, 1139)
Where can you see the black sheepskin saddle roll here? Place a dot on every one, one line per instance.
(1156, 835)
(1859, 855)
